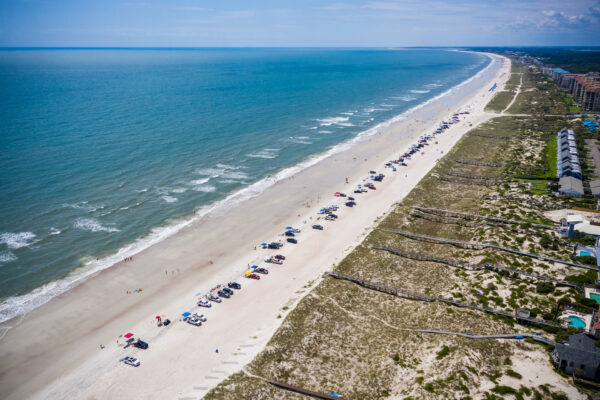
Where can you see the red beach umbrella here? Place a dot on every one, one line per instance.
(157, 317)
(128, 335)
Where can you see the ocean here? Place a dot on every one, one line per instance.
(106, 151)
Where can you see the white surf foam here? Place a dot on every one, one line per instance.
(93, 225)
(324, 131)
(169, 199)
(200, 181)
(55, 231)
(204, 188)
(7, 256)
(420, 91)
(266, 153)
(333, 121)
(19, 305)
(16, 240)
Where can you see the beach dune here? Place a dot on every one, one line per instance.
(54, 351)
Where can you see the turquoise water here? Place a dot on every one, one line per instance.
(585, 253)
(595, 297)
(103, 147)
(577, 322)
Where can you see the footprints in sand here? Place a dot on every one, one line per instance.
(230, 364)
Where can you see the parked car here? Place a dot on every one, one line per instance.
(273, 260)
(234, 285)
(253, 276)
(289, 233)
(227, 290)
(279, 257)
(200, 317)
(224, 294)
(204, 303)
(292, 240)
(193, 321)
(216, 299)
(134, 362)
(274, 245)
(140, 344)
(262, 271)
(318, 227)
(358, 191)
(351, 198)
(350, 204)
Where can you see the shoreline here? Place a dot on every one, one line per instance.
(45, 293)
(185, 249)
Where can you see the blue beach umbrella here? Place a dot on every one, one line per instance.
(254, 266)
(186, 314)
(288, 227)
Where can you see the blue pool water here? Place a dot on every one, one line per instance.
(577, 322)
(103, 149)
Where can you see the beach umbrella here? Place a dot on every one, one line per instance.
(254, 266)
(186, 314)
(288, 227)
(247, 273)
(128, 335)
(157, 317)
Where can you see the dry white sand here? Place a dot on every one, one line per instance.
(53, 352)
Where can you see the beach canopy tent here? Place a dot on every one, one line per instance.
(186, 314)
(247, 273)
(254, 266)
(128, 335)
(288, 227)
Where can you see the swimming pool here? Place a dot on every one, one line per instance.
(576, 322)
(595, 297)
(584, 253)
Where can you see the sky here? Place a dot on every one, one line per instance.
(310, 23)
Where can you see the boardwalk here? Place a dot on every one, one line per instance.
(481, 246)
(477, 216)
(475, 267)
(305, 392)
(534, 336)
(423, 297)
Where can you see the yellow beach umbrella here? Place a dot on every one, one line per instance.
(247, 272)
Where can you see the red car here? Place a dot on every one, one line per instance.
(372, 187)
(253, 276)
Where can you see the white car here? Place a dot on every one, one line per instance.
(216, 299)
(204, 303)
(193, 321)
(134, 362)
(201, 317)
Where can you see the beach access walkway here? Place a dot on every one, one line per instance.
(481, 246)
(534, 336)
(409, 295)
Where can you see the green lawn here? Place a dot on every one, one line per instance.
(551, 156)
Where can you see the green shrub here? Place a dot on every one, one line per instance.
(500, 389)
(544, 287)
(443, 352)
(514, 374)
(429, 387)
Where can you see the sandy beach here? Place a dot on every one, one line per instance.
(54, 352)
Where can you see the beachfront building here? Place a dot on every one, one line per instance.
(569, 171)
(580, 353)
(557, 72)
(595, 187)
(585, 88)
(576, 226)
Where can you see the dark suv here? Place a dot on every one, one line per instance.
(234, 285)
